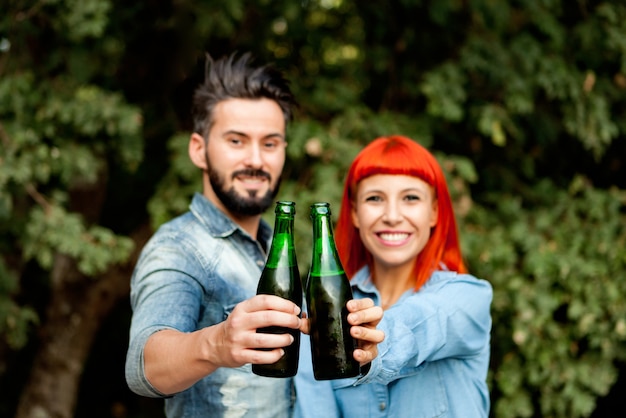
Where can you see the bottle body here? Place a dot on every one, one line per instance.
(328, 290)
(281, 277)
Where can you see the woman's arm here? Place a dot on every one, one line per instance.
(449, 318)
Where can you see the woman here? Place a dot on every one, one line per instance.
(397, 238)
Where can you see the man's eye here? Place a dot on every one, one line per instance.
(234, 141)
(270, 145)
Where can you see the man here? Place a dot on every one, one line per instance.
(195, 313)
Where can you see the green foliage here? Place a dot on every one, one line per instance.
(443, 90)
(60, 134)
(54, 230)
(174, 192)
(557, 261)
(515, 98)
(83, 18)
(15, 320)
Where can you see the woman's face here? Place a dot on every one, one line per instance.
(394, 215)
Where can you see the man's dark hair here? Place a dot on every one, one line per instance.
(235, 78)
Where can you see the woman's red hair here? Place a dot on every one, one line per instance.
(402, 156)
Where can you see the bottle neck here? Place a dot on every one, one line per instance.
(282, 246)
(325, 260)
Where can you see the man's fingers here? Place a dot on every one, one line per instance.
(270, 302)
(271, 341)
(263, 356)
(262, 319)
(263, 311)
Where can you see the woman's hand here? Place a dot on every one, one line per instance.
(364, 316)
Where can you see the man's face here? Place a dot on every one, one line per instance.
(245, 154)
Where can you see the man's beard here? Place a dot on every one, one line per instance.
(241, 205)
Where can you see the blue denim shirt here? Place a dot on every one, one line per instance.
(190, 275)
(432, 363)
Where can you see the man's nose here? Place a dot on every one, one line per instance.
(254, 157)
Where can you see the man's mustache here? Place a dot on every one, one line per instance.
(252, 173)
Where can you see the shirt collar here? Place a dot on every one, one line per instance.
(363, 280)
(220, 225)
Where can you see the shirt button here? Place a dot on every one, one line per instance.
(382, 406)
(260, 263)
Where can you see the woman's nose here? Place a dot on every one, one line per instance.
(392, 213)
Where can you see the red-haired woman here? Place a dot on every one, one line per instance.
(397, 237)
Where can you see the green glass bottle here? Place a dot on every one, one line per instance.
(281, 277)
(327, 292)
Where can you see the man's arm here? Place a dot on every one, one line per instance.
(174, 360)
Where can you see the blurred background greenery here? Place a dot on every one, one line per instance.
(523, 102)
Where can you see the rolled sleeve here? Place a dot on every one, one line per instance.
(161, 299)
(449, 318)
(135, 372)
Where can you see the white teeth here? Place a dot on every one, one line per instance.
(394, 236)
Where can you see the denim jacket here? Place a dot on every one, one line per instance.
(190, 275)
(432, 363)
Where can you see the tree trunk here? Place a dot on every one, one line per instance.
(77, 308)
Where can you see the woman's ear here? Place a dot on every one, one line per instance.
(434, 214)
(197, 151)
(355, 219)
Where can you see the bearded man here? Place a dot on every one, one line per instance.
(195, 313)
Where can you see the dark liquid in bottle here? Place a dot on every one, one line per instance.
(280, 284)
(331, 343)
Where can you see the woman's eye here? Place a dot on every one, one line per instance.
(372, 199)
(412, 197)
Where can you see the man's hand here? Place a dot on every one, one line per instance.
(175, 360)
(238, 342)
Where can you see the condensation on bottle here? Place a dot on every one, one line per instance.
(327, 292)
(281, 277)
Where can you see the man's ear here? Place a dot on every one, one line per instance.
(197, 151)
